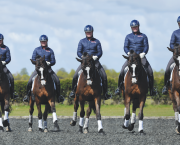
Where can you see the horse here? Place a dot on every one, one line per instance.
(88, 89)
(4, 99)
(43, 92)
(174, 88)
(135, 90)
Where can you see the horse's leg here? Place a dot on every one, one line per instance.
(141, 106)
(45, 114)
(39, 116)
(53, 110)
(6, 114)
(127, 110)
(76, 105)
(176, 112)
(31, 110)
(1, 125)
(176, 94)
(133, 117)
(81, 120)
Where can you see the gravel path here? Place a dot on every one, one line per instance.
(158, 131)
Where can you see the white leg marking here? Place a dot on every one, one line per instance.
(86, 124)
(45, 124)
(40, 123)
(177, 116)
(133, 118)
(6, 115)
(89, 82)
(126, 123)
(134, 80)
(75, 116)
(140, 125)
(99, 125)
(30, 119)
(54, 117)
(81, 120)
(1, 122)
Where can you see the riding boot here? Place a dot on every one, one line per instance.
(167, 83)
(120, 85)
(14, 95)
(74, 86)
(26, 97)
(153, 92)
(105, 93)
(60, 98)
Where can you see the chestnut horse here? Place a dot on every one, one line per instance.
(135, 90)
(88, 89)
(174, 88)
(4, 99)
(43, 92)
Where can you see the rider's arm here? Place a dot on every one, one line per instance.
(172, 41)
(146, 45)
(53, 60)
(126, 45)
(80, 49)
(34, 55)
(99, 50)
(8, 56)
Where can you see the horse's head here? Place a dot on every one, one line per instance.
(88, 66)
(134, 64)
(41, 68)
(176, 55)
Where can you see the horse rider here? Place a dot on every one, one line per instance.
(42, 51)
(175, 38)
(5, 59)
(93, 47)
(138, 42)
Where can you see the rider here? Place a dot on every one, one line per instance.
(93, 47)
(5, 59)
(175, 38)
(50, 60)
(138, 42)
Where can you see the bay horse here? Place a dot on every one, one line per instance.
(43, 92)
(174, 88)
(4, 99)
(88, 89)
(135, 90)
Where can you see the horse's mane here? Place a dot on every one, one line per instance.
(131, 51)
(85, 54)
(38, 57)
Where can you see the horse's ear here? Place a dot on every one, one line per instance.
(33, 62)
(80, 60)
(172, 50)
(125, 57)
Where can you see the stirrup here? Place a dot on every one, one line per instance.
(107, 96)
(72, 95)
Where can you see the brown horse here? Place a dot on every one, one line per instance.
(4, 99)
(88, 89)
(43, 92)
(135, 90)
(174, 88)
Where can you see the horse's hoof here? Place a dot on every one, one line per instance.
(80, 130)
(8, 129)
(41, 130)
(142, 133)
(176, 122)
(131, 127)
(73, 123)
(56, 126)
(101, 132)
(86, 130)
(5, 123)
(30, 129)
(124, 127)
(45, 130)
(1, 129)
(177, 130)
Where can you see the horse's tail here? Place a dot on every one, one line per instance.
(2, 107)
(92, 106)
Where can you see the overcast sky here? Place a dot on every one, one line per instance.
(63, 21)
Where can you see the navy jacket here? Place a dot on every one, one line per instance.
(5, 52)
(48, 52)
(92, 47)
(138, 43)
(175, 38)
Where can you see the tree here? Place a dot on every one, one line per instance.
(105, 67)
(71, 74)
(24, 71)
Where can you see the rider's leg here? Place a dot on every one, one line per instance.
(74, 83)
(29, 86)
(121, 79)
(57, 82)
(104, 80)
(167, 77)
(149, 71)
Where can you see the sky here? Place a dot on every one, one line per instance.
(63, 21)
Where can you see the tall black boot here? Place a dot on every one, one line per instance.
(28, 93)
(74, 86)
(13, 94)
(153, 92)
(105, 92)
(60, 98)
(166, 84)
(120, 85)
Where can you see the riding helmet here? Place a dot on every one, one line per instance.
(88, 28)
(1, 37)
(43, 38)
(178, 19)
(134, 23)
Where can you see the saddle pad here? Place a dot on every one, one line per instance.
(171, 70)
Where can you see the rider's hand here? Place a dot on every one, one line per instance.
(95, 57)
(48, 63)
(142, 55)
(3, 62)
(128, 53)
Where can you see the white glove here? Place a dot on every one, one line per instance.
(128, 53)
(142, 55)
(95, 57)
(3, 62)
(48, 63)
